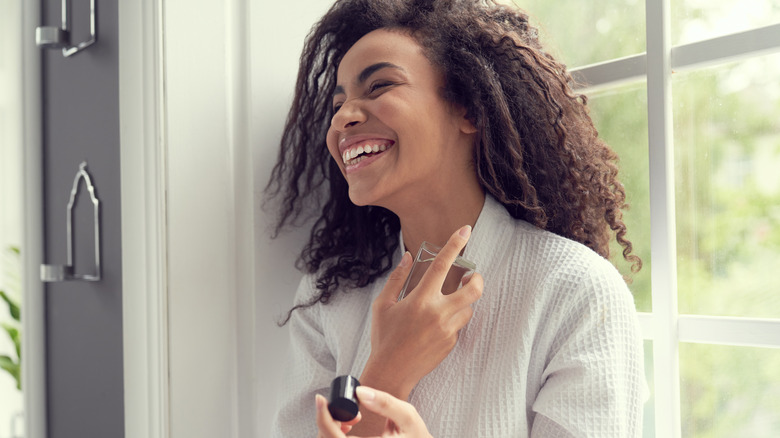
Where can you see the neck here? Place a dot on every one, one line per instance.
(434, 218)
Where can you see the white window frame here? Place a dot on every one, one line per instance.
(665, 327)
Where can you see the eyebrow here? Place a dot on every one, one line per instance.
(367, 72)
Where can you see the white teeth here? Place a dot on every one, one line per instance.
(354, 156)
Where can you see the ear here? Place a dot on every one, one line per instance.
(464, 124)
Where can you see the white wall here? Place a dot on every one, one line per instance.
(223, 97)
(205, 198)
(11, 401)
(278, 31)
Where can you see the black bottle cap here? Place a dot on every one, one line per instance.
(343, 403)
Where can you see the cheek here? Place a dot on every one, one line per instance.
(332, 142)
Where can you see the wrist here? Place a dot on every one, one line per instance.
(376, 378)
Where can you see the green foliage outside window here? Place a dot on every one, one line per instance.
(14, 330)
(727, 167)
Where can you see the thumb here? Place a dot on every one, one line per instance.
(396, 279)
(403, 415)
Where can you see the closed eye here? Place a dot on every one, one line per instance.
(378, 85)
(375, 88)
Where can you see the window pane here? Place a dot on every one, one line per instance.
(582, 33)
(729, 391)
(620, 115)
(696, 20)
(727, 170)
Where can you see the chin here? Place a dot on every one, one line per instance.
(359, 198)
(362, 198)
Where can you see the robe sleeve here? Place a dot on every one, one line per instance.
(310, 367)
(593, 383)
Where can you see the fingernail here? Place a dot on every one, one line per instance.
(465, 231)
(365, 395)
(406, 259)
(319, 401)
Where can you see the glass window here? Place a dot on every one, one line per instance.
(581, 33)
(728, 391)
(727, 156)
(696, 20)
(620, 115)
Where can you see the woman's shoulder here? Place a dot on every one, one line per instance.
(558, 266)
(502, 243)
(343, 301)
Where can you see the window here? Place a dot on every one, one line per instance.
(688, 93)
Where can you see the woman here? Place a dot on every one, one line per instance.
(425, 120)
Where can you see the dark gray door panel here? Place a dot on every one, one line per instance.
(83, 319)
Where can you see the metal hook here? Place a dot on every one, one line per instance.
(52, 37)
(51, 273)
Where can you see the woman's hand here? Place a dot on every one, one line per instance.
(402, 418)
(411, 337)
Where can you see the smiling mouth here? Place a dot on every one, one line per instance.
(360, 152)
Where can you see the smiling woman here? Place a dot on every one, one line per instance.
(447, 122)
(389, 98)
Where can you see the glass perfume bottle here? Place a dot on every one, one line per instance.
(425, 255)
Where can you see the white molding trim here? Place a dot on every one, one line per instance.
(733, 47)
(647, 324)
(144, 231)
(209, 212)
(662, 220)
(238, 115)
(34, 324)
(721, 330)
(727, 48)
(611, 73)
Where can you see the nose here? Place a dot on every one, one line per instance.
(350, 114)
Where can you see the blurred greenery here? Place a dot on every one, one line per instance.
(695, 20)
(729, 391)
(727, 190)
(14, 328)
(621, 117)
(581, 33)
(727, 156)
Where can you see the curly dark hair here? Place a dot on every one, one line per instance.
(537, 150)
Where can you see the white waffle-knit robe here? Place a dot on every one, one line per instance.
(553, 349)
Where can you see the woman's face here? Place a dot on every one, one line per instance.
(395, 138)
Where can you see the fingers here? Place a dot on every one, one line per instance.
(434, 277)
(396, 279)
(346, 426)
(470, 292)
(402, 416)
(328, 427)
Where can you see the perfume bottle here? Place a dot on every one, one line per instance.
(425, 255)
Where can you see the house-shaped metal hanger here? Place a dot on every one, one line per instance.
(50, 273)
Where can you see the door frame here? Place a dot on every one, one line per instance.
(33, 309)
(144, 230)
(170, 175)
